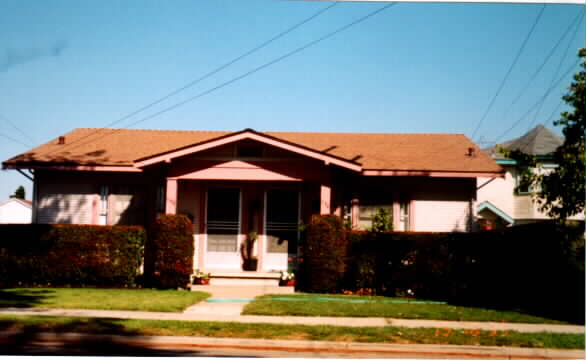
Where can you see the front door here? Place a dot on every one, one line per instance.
(281, 228)
(223, 229)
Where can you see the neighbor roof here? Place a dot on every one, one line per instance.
(375, 151)
(538, 141)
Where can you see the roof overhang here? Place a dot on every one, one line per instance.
(247, 134)
(487, 205)
(82, 167)
(433, 173)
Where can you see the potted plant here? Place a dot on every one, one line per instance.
(287, 278)
(201, 278)
(249, 261)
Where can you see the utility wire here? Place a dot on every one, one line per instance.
(542, 98)
(573, 23)
(14, 140)
(519, 52)
(558, 68)
(261, 67)
(207, 75)
(17, 129)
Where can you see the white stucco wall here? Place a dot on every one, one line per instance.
(14, 212)
(498, 191)
(441, 216)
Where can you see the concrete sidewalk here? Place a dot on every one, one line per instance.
(216, 316)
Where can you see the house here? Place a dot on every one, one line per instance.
(501, 202)
(16, 211)
(235, 183)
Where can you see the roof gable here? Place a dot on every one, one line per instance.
(539, 141)
(247, 134)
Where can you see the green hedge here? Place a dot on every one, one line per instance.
(325, 250)
(169, 258)
(537, 268)
(76, 255)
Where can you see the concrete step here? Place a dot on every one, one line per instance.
(242, 293)
(244, 278)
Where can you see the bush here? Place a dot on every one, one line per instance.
(170, 252)
(76, 255)
(325, 250)
(522, 268)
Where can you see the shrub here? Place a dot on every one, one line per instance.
(325, 250)
(77, 255)
(170, 251)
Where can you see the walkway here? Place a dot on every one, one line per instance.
(226, 304)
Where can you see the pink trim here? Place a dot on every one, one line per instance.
(103, 168)
(452, 174)
(242, 136)
(171, 199)
(325, 199)
(95, 209)
(239, 170)
(355, 213)
(411, 215)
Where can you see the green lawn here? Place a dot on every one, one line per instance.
(101, 299)
(378, 306)
(33, 324)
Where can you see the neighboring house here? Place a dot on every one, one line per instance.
(234, 183)
(16, 211)
(500, 202)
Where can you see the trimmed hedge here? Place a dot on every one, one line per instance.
(75, 255)
(537, 268)
(325, 250)
(169, 258)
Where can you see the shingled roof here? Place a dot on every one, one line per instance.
(376, 151)
(538, 141)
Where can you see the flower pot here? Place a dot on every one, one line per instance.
(201, 281)
(287, 283)
(250, 264)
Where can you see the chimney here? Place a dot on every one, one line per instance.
(61, 140)
(470, 152)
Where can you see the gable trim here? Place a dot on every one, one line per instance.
(247, 134)
(486, 205)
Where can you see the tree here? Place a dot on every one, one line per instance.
(19, 193)
(561, 192)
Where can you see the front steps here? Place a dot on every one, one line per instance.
(262, 280)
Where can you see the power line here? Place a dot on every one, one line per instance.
(251, 72)
(559, 67)
(207, 75)
(569, 70)
(17, 129)
(14, 140)
(519, 52)
(538, 70)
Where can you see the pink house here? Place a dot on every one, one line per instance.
(235, 183)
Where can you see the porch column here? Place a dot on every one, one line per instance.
(325, 199)
(171, 198)
(355, 212)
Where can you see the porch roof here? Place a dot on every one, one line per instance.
(373, 153)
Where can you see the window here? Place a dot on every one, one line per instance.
(404, 211)
(367, 212)
(223, 219)
(103, 216)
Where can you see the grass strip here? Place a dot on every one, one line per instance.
(378, 306)
(101, 299)
(32, 324)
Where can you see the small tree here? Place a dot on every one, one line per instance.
(19, 193)
(381, 221)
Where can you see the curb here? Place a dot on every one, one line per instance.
(419, 350)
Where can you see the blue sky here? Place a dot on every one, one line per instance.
(411, 68)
